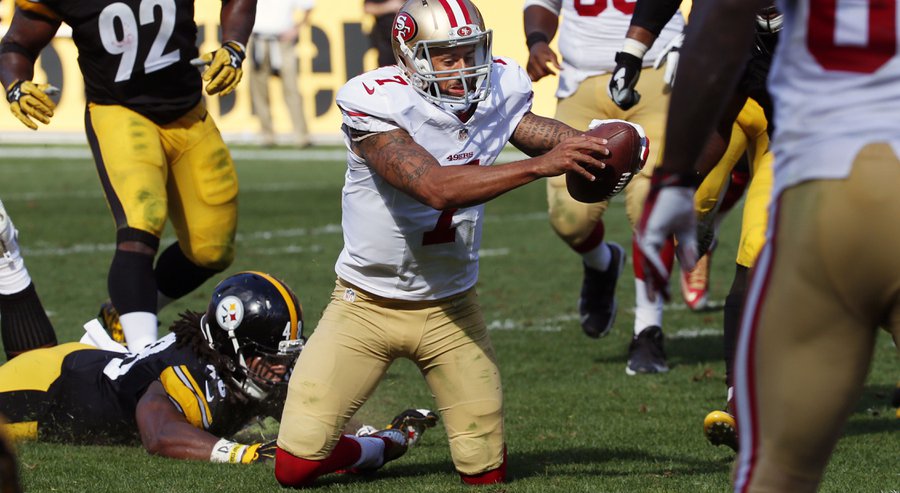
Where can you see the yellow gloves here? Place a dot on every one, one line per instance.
(223, 71)
(28, 100)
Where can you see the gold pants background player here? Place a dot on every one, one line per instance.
(575, 221)
(580, 225)
(814, 306)
(358, 338)
(181, 171)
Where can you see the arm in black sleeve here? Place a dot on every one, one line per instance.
(653, 15)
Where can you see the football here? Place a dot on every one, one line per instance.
(628, 153)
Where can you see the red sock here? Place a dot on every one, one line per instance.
(593, 240)
(293, 471)
(667, 255)
(493, 476)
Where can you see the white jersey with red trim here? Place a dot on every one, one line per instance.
(590, 34)
(395, 246)
(835, 83)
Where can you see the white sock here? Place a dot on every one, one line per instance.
(14, 276)
(140, 329)
(646, 312)
(162, 301)
(598, 258)
(371, 452)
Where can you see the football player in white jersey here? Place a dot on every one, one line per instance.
(828, 275)
(594, 61)
(421, 138)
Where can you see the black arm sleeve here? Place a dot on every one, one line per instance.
(653, 15)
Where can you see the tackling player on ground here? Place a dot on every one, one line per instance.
(158, 152)
(421, 137)
(183, 396)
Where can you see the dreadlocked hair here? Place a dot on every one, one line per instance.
(187, 334)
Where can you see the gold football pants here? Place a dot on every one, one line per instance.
(23, 381)
(748, 136)
(574, 221)
(358, 338)
(825, 282)
(181, 171)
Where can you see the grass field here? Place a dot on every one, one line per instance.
(575, 422)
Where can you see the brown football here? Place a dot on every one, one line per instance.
(626, 158)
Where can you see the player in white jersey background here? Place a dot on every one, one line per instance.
(829, 274)
(591, 44)
(421, 137)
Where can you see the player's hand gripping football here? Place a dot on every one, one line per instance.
(573, 154)
(28, 100)
(669, 56)
(668, 211)
(625, 77)
(223, 68)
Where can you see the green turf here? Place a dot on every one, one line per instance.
(575, 422)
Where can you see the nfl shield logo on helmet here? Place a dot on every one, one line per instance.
(229, 313)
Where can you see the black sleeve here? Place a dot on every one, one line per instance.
(653, 15)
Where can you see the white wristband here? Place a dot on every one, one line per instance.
(635, 47)
(228, 451)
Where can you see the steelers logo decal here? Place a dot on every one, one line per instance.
(229, 313)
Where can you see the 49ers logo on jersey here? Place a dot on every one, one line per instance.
(404, 26)
(229, 313)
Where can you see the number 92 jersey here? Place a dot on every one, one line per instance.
(133, 53)
(395, 246)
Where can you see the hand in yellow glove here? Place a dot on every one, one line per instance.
(28, 100)
(223, 71)
(238, 453)
(263, 452)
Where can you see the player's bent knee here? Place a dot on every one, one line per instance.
(478, 446)
(308, 438)
(213, 257)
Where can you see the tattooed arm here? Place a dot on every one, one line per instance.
(536, 135)
(407, 166)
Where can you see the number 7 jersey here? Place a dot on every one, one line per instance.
(395, 246)
(132, 53)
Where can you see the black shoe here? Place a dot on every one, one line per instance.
(414, 422)
(597, 304)
(646, 354)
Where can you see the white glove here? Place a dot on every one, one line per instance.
(668, 211)
(669, 56)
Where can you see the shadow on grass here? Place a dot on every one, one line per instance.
(575, 462)
(679, 351)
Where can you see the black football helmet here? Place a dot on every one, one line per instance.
(250, 315)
